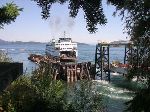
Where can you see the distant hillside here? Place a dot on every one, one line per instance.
(17, 42)
(3, 41)
(30, 42)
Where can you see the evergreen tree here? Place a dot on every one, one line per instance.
(8, 13)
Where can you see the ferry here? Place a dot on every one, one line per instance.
(63, 48)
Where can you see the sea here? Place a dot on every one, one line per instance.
(115, 93)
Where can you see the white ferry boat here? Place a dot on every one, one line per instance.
(63, 48)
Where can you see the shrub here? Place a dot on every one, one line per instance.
(35, 94)
(4, 57)
(85, 97)
(39, 93)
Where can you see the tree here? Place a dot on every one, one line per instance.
(93, 11)
(27, 94)
(39, 93)
(8, 13)
(136, 14)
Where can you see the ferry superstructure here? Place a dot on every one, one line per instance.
(64, 48)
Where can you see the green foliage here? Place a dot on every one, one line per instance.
(43, 70)
(136, 14)
(24, 96)
(8, 13)
(50, 91)
(34, 94)
(4, 57)
(141, 102)
(39, 93)
(93, 11)
(85, 98)
(20, 96)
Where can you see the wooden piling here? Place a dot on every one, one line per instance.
(65, 71)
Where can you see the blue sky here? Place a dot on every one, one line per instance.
(29, 25)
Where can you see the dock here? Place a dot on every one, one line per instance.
(68, 71)
(102, 60)
(102, 68)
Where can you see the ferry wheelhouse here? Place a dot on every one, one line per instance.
(63, 48)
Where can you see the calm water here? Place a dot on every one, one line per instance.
(114, 95)
(20, 52)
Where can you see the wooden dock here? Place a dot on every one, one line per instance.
(67, 71)
(73, 72)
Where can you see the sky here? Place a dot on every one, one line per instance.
(29, 25)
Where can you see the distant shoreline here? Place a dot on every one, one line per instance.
(3, 42)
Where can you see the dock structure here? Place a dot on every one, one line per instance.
(68, 71)
(103, 68)
(73, 72)
(102, 60)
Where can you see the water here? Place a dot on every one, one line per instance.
(21, 52)
(115, 96)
